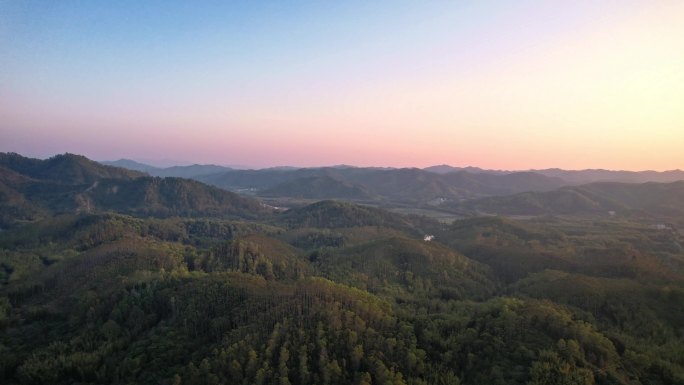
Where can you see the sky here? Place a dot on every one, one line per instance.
(495, 84)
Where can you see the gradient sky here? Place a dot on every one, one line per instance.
(495, 84)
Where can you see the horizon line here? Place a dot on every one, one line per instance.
(178, 163)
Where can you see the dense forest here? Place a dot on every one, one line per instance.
(113, 276)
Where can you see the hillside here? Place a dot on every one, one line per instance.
(336, 214)
(407, 268)
(577, 177)
(514, 249)
(318, 187)
(248, 308)
(191, 171)
(65, 169)
(261, 179)
(32, 188)
(658, 200)
(445, 169)
(408, 185)
(591, 176)
(163, 197)
(484, 184)
(132, 165)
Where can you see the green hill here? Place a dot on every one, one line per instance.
(406, 268)
(336, 214)
(32, 188)
(164, 197)
(64, 169)
(115, 299)
(514, 249)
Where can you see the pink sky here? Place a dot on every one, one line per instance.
(526, 86)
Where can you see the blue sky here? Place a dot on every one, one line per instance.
(268, 83)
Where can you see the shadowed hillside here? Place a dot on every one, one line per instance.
(318, 187)
(335, 214)
(394, 185)
(66, 168)
(654, 199)
(32, 188)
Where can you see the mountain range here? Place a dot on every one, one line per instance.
(429, 186)
(190, 171)
(580, 176)
(32, 188)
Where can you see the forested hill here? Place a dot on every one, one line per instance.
(337, 215)
(319, 187)
(664, 200)
(65, 169)
(31, 189)
(163, 197)
(110, 298)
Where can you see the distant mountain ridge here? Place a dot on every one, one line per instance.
(411, 185)
(131, 165)
(570, 176)
(190, 171)
(445, 169)
(598, 175)
(577, 176)
(604, 198)
(408, 185)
